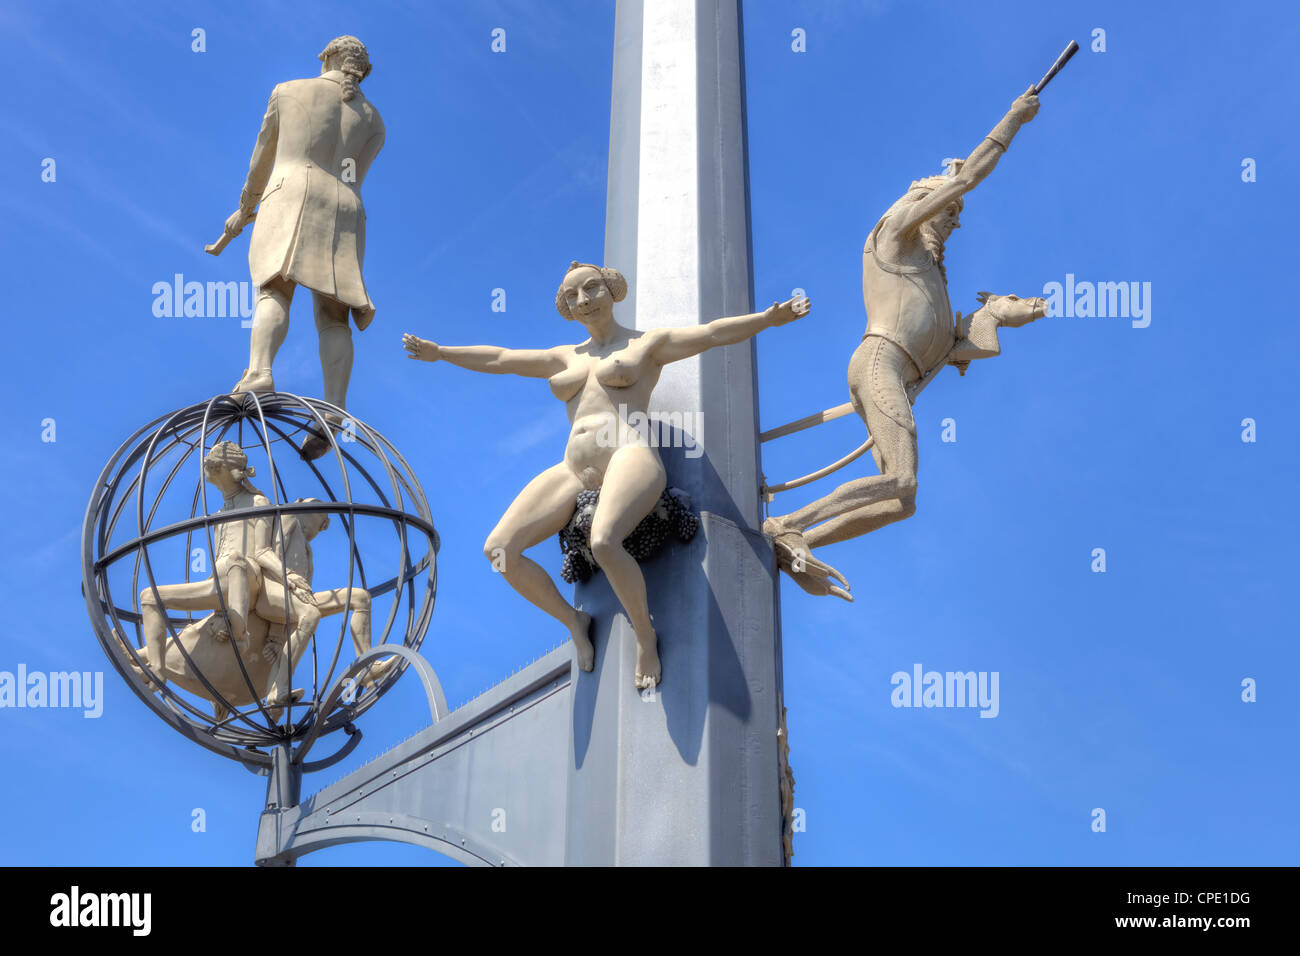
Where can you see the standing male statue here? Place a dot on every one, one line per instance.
(910, 335)
(317, 141)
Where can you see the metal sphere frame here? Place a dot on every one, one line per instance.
(274, 419)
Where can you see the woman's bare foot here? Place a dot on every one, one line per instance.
(648, 669)
(580, 632)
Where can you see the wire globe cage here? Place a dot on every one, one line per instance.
(158, 563)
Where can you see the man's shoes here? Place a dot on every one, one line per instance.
(254, 380)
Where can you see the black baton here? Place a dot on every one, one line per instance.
(1061, 60)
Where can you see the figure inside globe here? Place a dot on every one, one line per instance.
(297, 531)
(264, 611)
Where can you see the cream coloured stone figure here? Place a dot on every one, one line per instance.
(259, 608)
(317, 141)
(243, 586)
(236, 583)
(910, 336)
(603, 381)
(292, 542)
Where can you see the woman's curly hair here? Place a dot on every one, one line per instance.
(614, 282)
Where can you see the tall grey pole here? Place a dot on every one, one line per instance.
(689, 774)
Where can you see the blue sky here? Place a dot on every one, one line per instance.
(1120, 690)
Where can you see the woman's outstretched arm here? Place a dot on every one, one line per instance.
(531, 363)
(679, 343)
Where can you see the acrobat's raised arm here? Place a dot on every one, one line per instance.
(976, 167)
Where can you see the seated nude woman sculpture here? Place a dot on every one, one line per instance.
(603, 382)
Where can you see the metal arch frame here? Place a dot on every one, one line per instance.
(534, 702)
(370, 826)
(288, 764)
(194, 426)
(432, 691)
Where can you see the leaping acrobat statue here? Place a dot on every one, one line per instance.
(911, 336)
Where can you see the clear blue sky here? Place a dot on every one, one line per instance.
(1119, 690)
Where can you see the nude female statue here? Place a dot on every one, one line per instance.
(602, 381)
